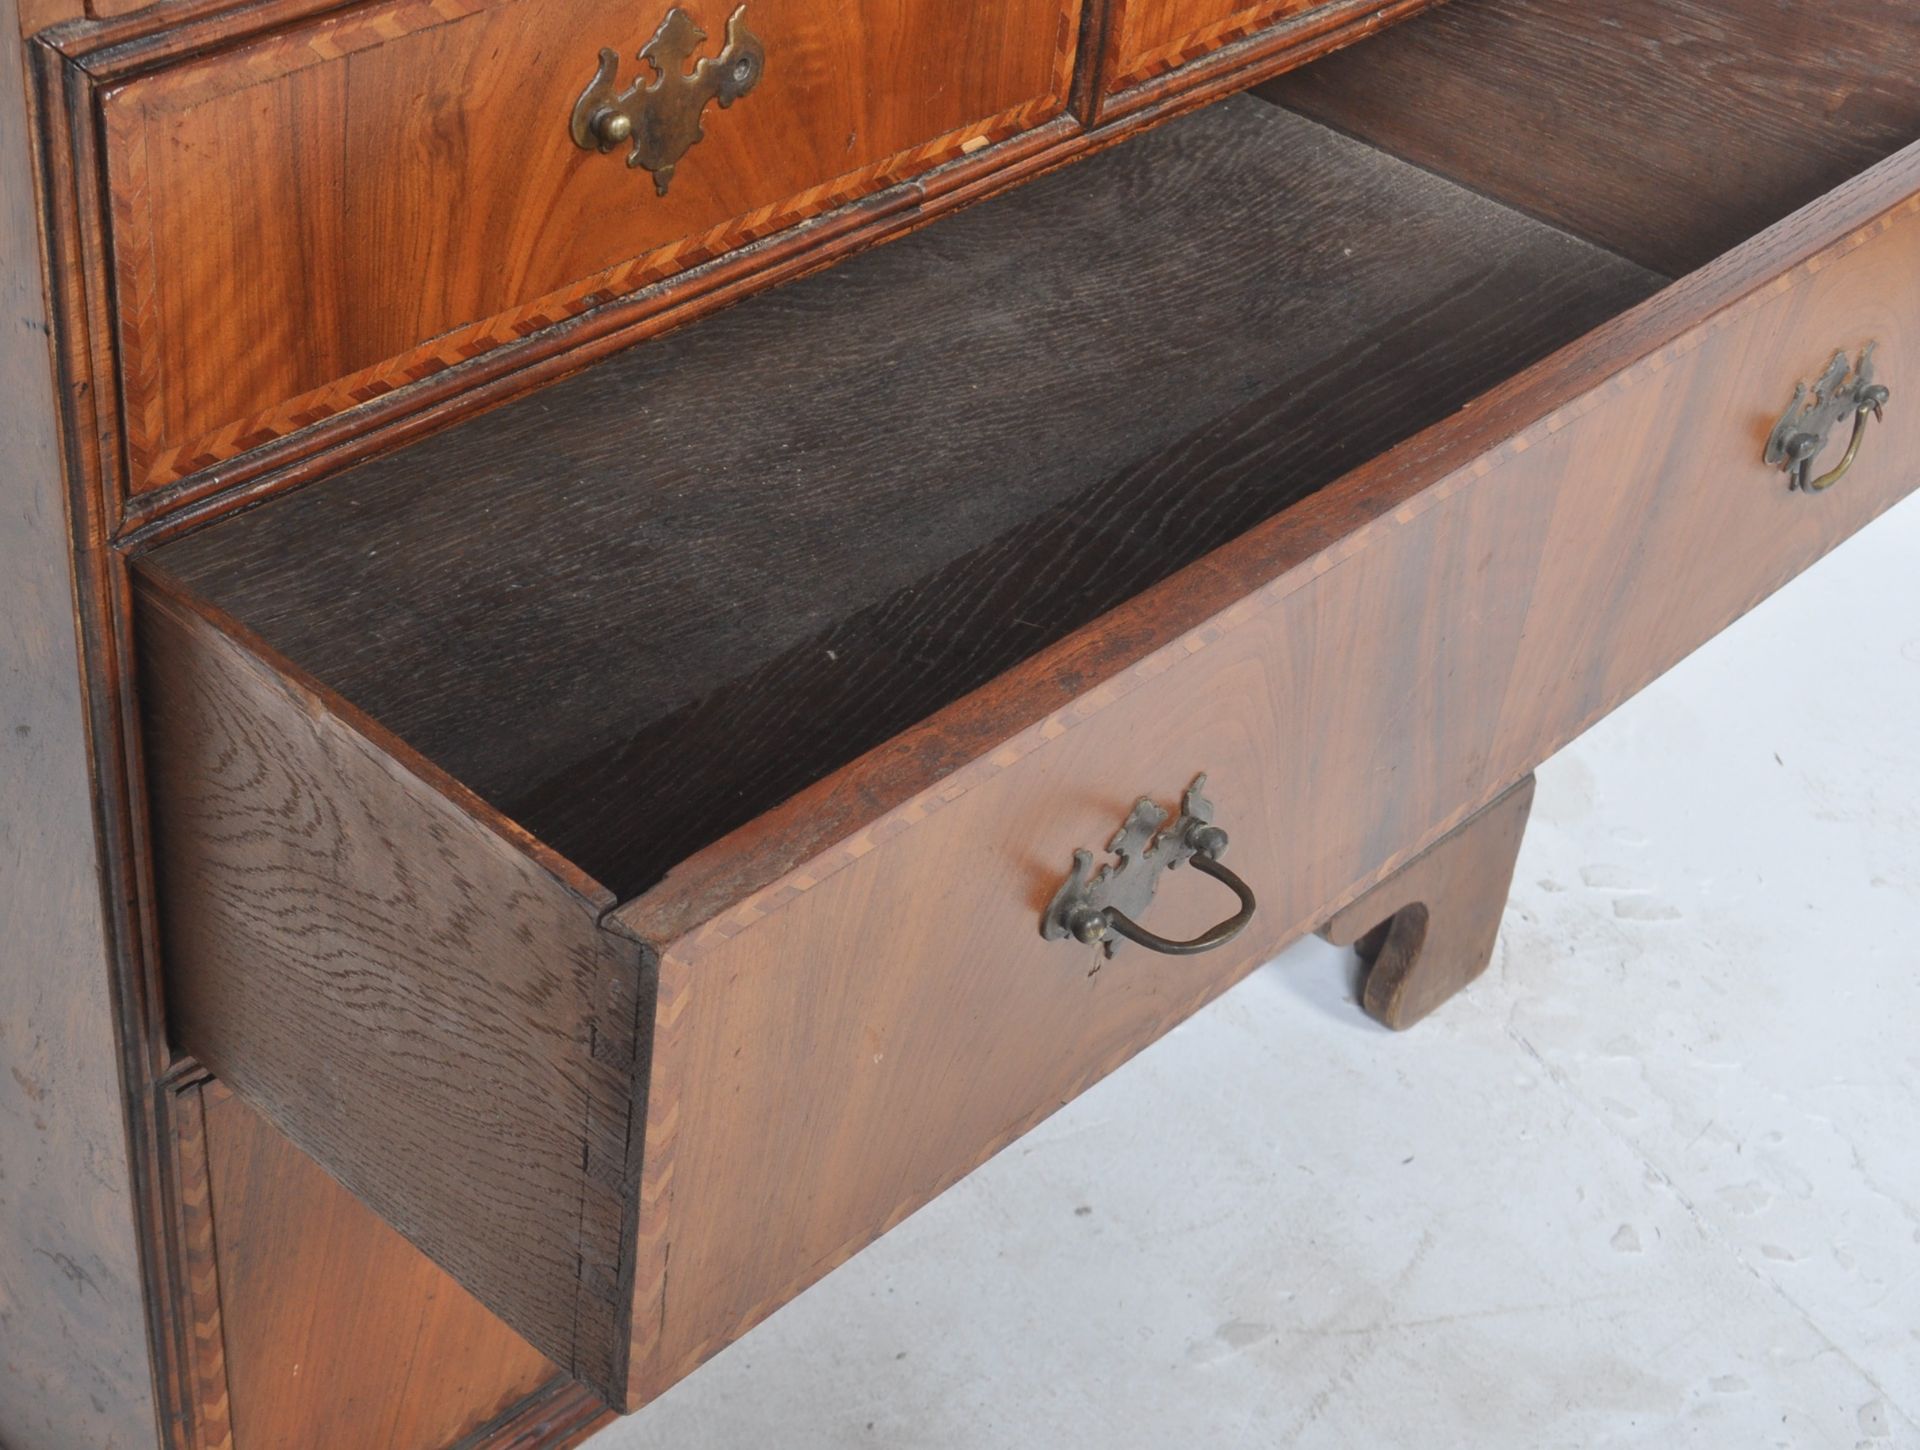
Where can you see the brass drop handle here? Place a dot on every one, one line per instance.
(1844, 391)
(661, 120)
(1095, 926)
(1093, 906)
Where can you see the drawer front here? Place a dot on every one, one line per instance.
(320, 217)
(892, 1015)
(835, 1049)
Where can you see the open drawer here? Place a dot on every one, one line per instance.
(613, 836)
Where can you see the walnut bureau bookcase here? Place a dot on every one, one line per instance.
(635, 634)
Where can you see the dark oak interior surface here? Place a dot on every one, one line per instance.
(1667, 130)
(639, 608)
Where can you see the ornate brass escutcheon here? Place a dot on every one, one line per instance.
(662, 119)
(1100, 906)
(1844, 391)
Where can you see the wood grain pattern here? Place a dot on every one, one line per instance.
(272, 271)
(1668, 130)
(694, 635)
(1398, 674)
(75, 1364)
(1193, 49)
(345, 932)
(1429, 929)
(341, 1333)
(1148, 37)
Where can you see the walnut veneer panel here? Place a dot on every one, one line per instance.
(316, 218)
(338, 1331)
(1148, 37)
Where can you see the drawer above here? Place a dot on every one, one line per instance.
(314, 219)
(623, 862)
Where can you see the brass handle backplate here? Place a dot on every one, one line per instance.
(1844, 391)
(1099, 907)
(661, 121)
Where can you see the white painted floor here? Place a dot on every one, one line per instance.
(1654, 1181)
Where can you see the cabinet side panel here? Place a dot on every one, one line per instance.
(74, 1362)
